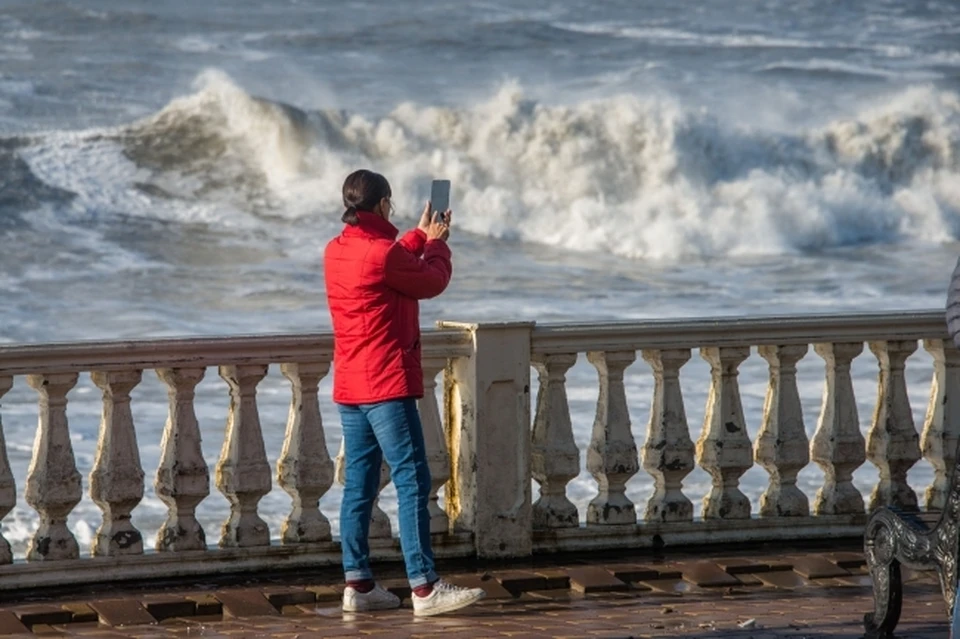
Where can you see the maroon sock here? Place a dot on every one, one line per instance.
(362, 586)
(424, 590)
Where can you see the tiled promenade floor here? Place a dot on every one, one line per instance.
(760, 596)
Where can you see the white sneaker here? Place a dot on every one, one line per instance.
(377, 599)
(445, 598)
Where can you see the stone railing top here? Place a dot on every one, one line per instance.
(197, 352)
(454, 340)
(737, 331)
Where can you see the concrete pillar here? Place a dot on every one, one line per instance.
(305, 469)
(487, 403)
(724, 448)
(782, 447)
(183, 479)
(612, 456)
(838, 445)
(53, 483)
(893, 444)
(941, 428)
(8, 485)
(555, 458)
(435, 441)
(116, 481)
(243, 474)
(668, 450)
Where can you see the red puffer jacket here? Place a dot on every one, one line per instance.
(373, 284)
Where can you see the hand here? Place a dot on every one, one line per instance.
(426, 217)
(439, 228)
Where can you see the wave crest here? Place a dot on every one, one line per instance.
(638, 177)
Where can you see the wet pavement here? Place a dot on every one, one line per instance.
(759, 595)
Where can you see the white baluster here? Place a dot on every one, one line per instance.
(8, 485)
(941, 429)
(724, 449)
(379, 521)
(116, 481)
(183, 479)
(668, 451)
(782, 446)
(893, 444)
(612, 456)
(555, 458)
(435, 441)
(243, 474)
(838, 445)
(305, 469)
(53, 483)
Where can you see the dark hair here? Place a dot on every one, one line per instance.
(362, 191)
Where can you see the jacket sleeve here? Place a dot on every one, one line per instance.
(953, 306)
(419, 278)
(414, 241)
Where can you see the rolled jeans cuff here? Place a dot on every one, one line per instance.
(357, 575)
(423, 580)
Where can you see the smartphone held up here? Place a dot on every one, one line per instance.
(440, 198)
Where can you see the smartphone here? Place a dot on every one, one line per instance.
(440, 196)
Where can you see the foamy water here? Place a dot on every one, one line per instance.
(175, 170)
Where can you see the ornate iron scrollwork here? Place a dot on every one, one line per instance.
(894, 537)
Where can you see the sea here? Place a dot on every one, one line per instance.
(174, 169)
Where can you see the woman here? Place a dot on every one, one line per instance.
(374, 283)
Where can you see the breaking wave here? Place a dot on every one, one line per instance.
(638, 177)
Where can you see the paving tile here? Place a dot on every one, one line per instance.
(740, 565)
(748, 579)
(249, 602)
(10, 624)
(552, 594)
(492, 587)
(589, 579)
(199, 620)
(33, 614)
(83, 628)
(163, 607)
(633, 572)
(556, 578)
(325, 594)
(207, 604)
(817, 567)
(847, 560)
(707, 574)
(786, 579)
(517, 581)
(44, 630)
(81, 612)
(280, 596)
(122, 612)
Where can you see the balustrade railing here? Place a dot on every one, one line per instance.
(724, 449)
(487, 442)
(243, 474)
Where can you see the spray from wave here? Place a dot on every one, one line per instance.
(637, 177)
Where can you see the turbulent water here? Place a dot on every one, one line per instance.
(175, 169)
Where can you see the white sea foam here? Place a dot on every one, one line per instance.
(635, 177)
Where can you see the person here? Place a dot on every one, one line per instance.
(374, 282)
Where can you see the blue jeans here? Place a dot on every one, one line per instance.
(372, 432)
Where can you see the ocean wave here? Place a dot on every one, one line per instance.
(821, 67)
(636, 177)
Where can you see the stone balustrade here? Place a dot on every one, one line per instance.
(487, 442)
(723, 449)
